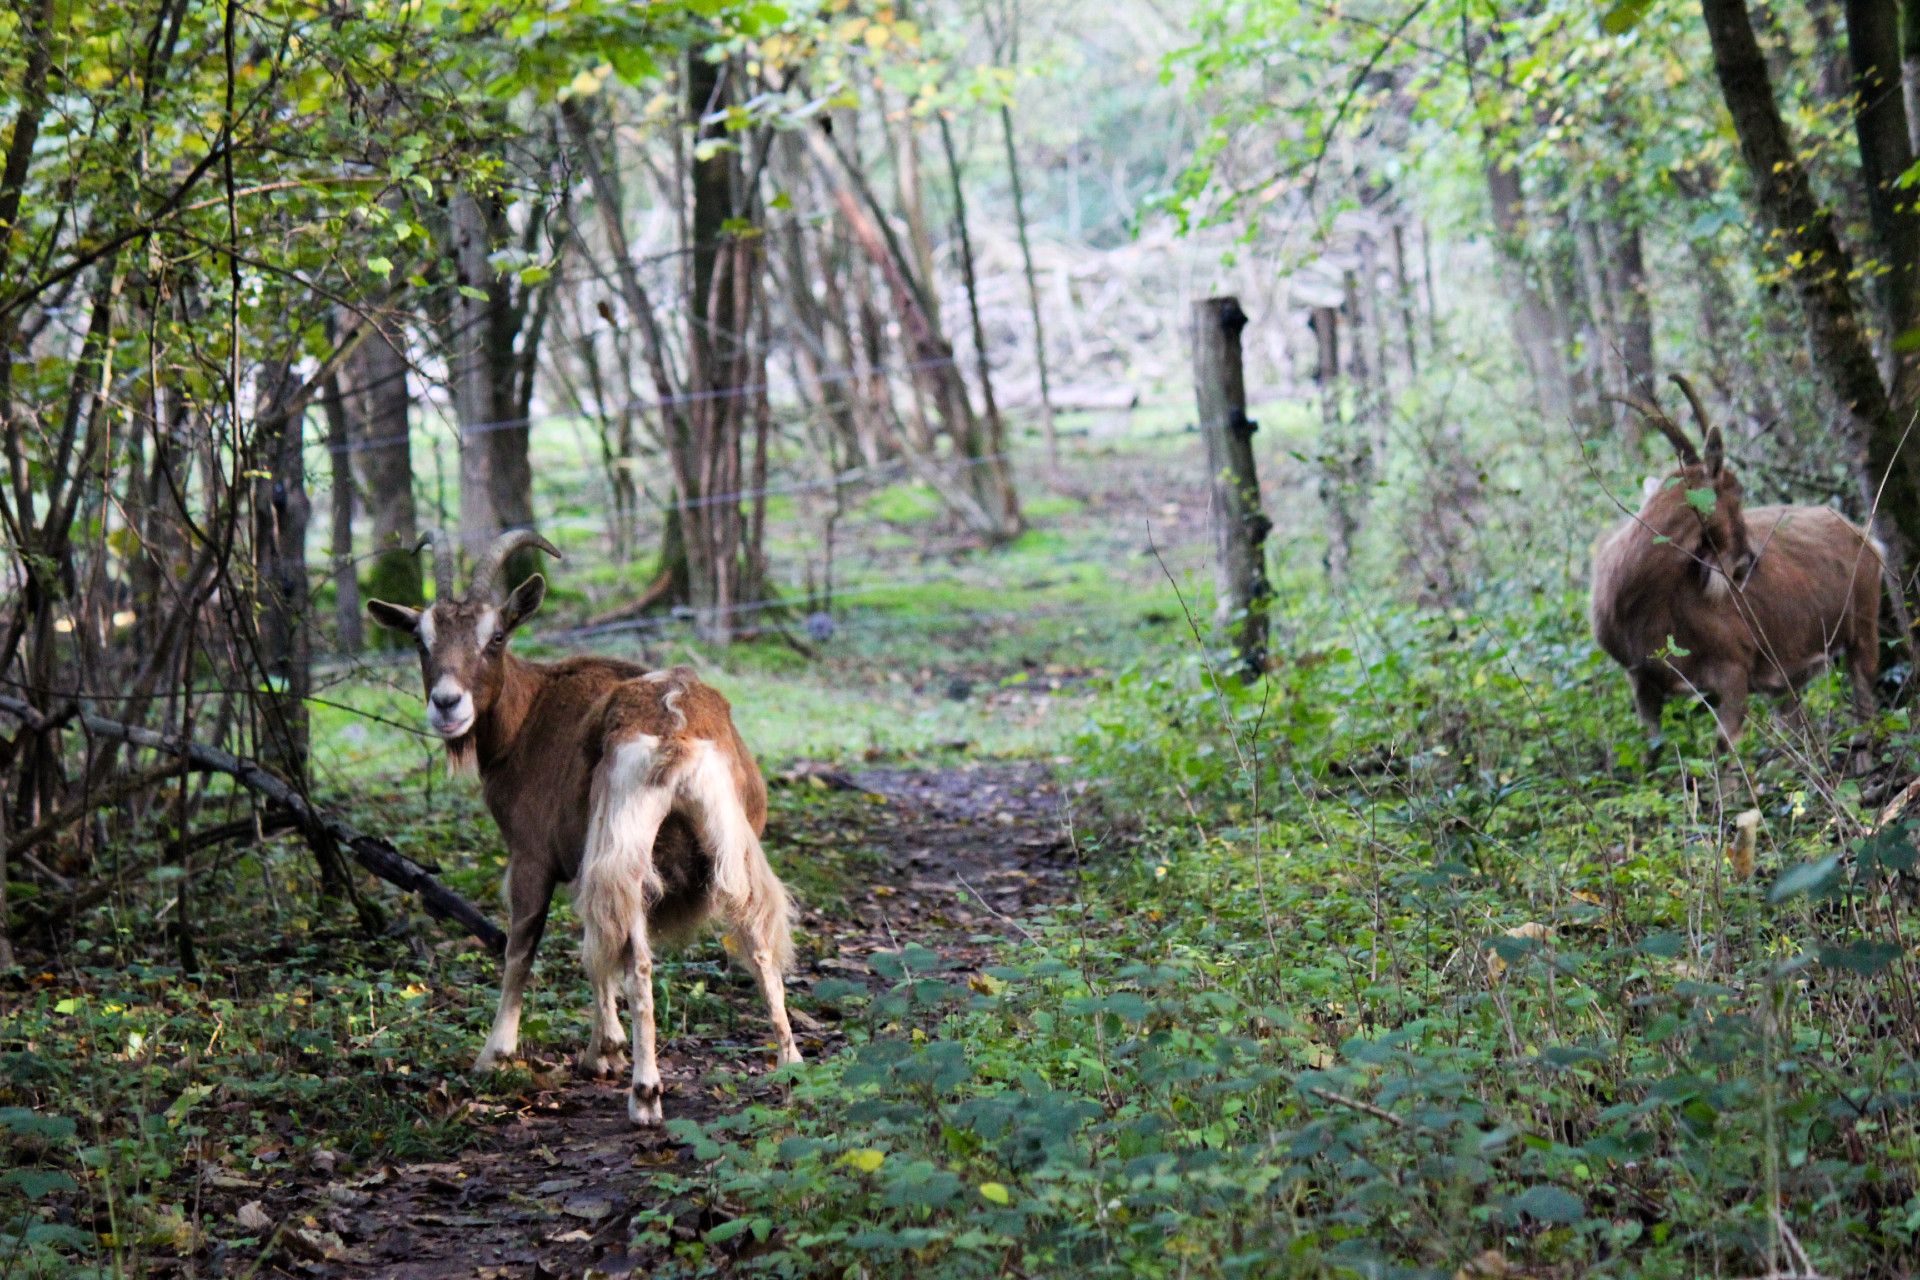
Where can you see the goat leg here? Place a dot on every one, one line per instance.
(606, 1047)
(529, 895)
(1649, 697)
(644, 1105)
(774, 988)
(1730, 712)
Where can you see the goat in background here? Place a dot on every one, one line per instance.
(633, 782)
(1696, 595)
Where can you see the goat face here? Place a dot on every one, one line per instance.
(1700, 512)
(462, 643)
(463, 639)
(1697, 508)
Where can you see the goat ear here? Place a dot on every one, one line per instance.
(394, 617)
(524, 601)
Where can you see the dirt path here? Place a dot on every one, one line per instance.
(962, 853)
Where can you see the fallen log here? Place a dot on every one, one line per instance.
(318, 826)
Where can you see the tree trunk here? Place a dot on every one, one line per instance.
(280, 513)
(1335, 481)
(1910, 68)
(472, 381)
(1240, 528)
(1820, 271)
(1605, 361)
(1886, 153)
(992, 451)
(913, 208)
(983, 494)
(1403, 296)
(1625, 257)
(1533, 324)
(1033, 287)
(707, 453)
(378, 404)
(346, 583)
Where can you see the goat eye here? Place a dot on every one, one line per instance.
(499, 638)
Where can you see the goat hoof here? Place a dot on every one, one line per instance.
(602, 1065)
(643, 1106)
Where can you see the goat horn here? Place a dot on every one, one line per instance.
(504, 546)
(442, 562)
(1716, 444)
(1667, 427)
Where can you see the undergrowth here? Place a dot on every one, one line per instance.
(1407, 968)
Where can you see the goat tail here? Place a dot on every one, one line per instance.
(618, 878)
(765, 917)
(756, 903)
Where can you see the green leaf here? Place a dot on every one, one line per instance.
(1547, 1203)
(382, 267)
(35, 1183)
(1860, 957)
(1807, 878)
(1624, 16)
(469, 291)
(32, 1124)
(190, 1097)
(994, 1193)
(728, 1230)
(1702, 500)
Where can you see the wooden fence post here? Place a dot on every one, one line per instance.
(1239, 526)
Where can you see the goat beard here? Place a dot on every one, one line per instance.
(463, 757)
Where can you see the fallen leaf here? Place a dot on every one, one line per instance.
(320, 1246)
(591, 1208)
(1490, 1265)
(254, 1216)
(1532, 930)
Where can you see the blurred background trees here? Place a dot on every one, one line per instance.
(285, 285)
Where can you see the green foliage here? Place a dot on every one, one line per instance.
(1433, 980)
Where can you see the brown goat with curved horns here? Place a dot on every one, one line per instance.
(632, 783)
(1696, 595)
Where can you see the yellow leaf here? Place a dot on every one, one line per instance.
(986, 984)
(866, 1159)
(994, 1192)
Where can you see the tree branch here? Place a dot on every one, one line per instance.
(372, 852)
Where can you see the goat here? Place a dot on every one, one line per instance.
(1695, 594)
(632, 784)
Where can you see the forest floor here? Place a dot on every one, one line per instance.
(1397, 962)
(556, 1175)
